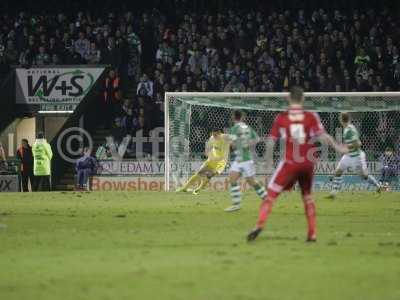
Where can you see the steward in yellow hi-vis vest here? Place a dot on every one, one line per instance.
(42, 155)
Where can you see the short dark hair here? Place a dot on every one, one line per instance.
(216, 128)
(296, 94)
(40, 135)
(345, 117)
(25, 141)
(237, 115)
(389, 148)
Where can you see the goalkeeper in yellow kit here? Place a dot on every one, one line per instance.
(217, 151)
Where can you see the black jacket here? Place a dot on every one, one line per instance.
(26, 158)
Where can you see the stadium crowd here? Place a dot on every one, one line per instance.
(55, 39)
(258, 52)
(229, 51)
(180, 49)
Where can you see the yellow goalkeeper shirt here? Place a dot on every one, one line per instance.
(218, 149)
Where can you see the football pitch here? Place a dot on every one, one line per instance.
(178, 246)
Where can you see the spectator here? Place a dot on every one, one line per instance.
(55, 60)
(396, 77)
(111, 54)
(145, 87)
(11, 53)
(112, 97)
(103, 152)
(72, 57)
(24, 154)
(85, 167)
(134, 51)
(390, 167)
(362, 59)
(234, 85)
(129, 122)
(82, 45)
(54, 47)
(126, 106)
(198, 61)
(26, 58)
(42, 58)
(93, 55)
(3, 159)
(141, 128)
(42, 156)
(68, 42)
(117, 131)
(164, 52)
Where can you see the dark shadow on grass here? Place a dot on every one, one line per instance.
(273, 239)
(283, 238)
(151, 245)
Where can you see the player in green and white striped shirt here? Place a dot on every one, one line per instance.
(354, 160)
(242, 137)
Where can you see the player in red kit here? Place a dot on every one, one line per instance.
(300, 129)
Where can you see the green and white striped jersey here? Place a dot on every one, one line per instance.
(242, 136)
(351, 135)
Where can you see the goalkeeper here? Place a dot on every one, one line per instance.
(217, 151)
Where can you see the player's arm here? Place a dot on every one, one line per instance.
(208, 148)
(327, 139)
(227, 138)
(231, 136)
(254, 138)
(211, 151)
(356, 144)
(318, 132)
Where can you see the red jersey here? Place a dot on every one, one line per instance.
(299, 129)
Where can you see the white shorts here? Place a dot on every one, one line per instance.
(245, 168)
(354, 164)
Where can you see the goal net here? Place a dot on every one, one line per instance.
(190, 117)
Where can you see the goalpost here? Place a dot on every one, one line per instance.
(189, 118)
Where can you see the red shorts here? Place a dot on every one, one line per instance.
(287, 174)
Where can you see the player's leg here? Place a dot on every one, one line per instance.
(386, 175)
(337, 182)
(305, 182)
(259, 189)
(79, 184)
(249, 172)
(205, 177)
(37, 183)
(24, 179)
(234, 175)
(311, 215)
(204, 180)
(194, 179)
(279, 180)
(208, 173)
(337, 179)
(361, 165)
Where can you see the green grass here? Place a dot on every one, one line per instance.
(178, 246)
